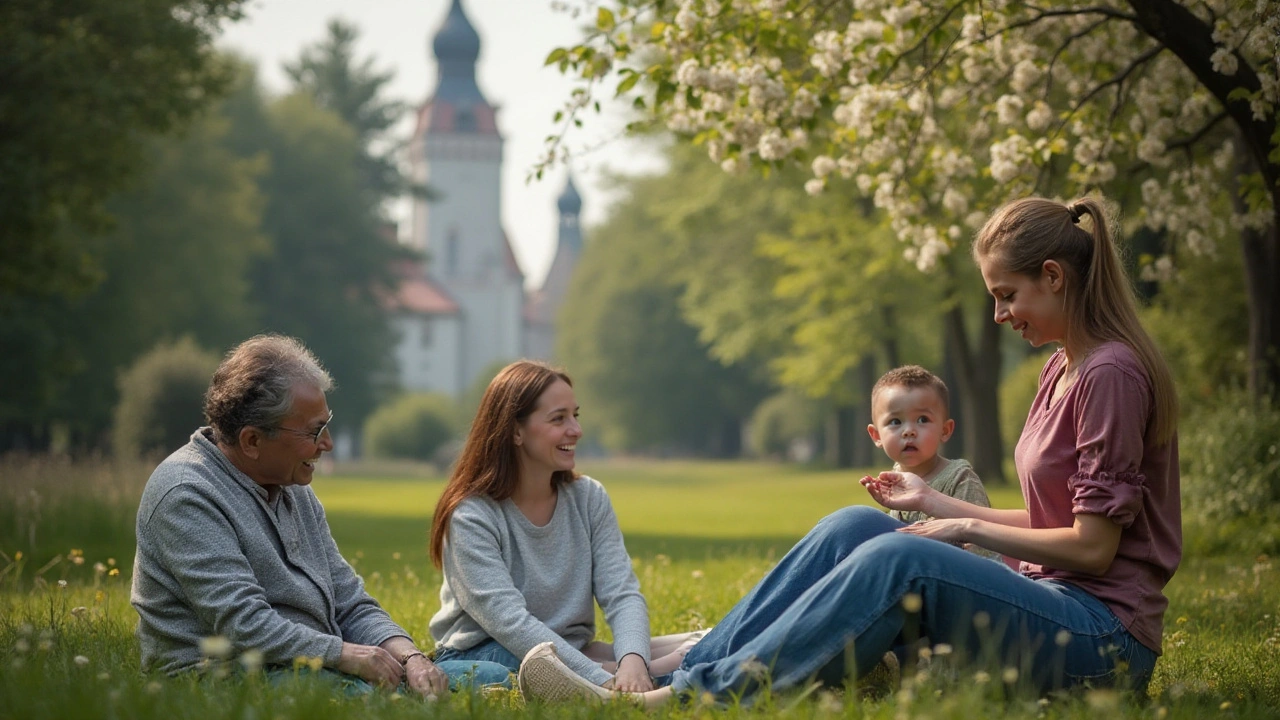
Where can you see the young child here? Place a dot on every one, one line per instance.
(911, 419)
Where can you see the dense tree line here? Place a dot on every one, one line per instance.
(238, 214)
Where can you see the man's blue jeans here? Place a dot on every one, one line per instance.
(834, 606)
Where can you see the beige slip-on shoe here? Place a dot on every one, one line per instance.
(544, 676)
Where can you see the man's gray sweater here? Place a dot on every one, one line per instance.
(215, 558)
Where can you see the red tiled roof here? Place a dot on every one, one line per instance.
(419, 295)
(441, 116)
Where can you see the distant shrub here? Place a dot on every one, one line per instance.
(415, 426)
(162, 399)
(1231, 472)
(780, 423)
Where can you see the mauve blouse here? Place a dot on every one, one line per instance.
(1090, 452)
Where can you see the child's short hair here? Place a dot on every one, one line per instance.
(912, 376)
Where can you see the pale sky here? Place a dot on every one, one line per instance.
(515, 38)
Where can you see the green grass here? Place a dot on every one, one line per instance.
(700, 535)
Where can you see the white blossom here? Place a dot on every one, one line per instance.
(1224, 61)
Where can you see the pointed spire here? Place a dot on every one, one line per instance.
(570, 202)
(457, 48)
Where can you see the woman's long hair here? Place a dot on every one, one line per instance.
(1100, 302)
(489, 464)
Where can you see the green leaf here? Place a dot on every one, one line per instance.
(604, 19)
(628, 82)
(556, 56)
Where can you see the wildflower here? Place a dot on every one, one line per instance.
(754, 668)
(62, 584)
(1062, 638)
(1103, 699)
(1010, 675)
(154, 687)
(80, 660)
(251, 660)
(395, 556)
(216, 647)
(942, 649)
(113, 572)
(912, 602)
(104, 676)
(99, 568)
(696, 574)
(1226, 705)
(17, 556)
(80, 611)
(981, 620)
(21, 646)
(982, 677)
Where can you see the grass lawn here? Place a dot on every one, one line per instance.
(700, 534)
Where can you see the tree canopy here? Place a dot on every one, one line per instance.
(941, 112)
(82, 85)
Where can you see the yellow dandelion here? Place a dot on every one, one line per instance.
(113, 572)
(315, 663)
(17, 556)
(1182, 619)
(99, 597)
(395, 556)
(1162, 712)
(1226, 705)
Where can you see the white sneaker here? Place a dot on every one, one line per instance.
(545, 677)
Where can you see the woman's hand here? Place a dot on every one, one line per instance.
(955, 532)
(898, 490)
(632, 675)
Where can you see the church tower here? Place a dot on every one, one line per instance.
(457, 152)
(549, 299)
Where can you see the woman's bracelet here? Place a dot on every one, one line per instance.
(405, 660)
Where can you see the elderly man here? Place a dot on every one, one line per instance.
(233, 543)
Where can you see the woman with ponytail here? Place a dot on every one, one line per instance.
(1100, 536)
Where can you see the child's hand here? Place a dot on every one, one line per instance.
(897, 490)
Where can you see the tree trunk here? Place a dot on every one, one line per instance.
(978, 377)
(839, 441)
(864, 450)
(1262, 281)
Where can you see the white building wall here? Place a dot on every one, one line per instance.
(427, 353)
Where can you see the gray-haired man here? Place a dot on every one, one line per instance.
(233, 543)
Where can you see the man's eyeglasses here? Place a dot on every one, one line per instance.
(313, 436)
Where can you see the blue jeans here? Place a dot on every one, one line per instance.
(463, 675)
(834, 606)
(489, 657)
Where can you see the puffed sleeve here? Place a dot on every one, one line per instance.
(1112, 414)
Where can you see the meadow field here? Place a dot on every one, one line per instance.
(700, 535)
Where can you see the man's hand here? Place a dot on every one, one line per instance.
(423, 677)
(632, 675)
(372, 664)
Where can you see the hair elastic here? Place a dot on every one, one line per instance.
(1075, 211)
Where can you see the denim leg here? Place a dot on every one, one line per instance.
(1055, 635)
(821, 550)
(488, 663)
